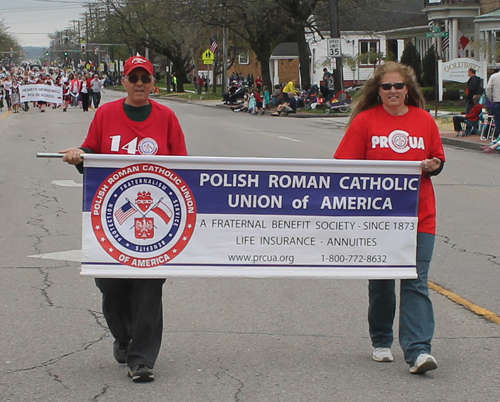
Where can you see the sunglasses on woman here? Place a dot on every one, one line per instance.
(397, 85)
(134, 78)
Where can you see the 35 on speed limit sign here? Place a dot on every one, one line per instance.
(334, 47)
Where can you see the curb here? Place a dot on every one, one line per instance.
(460, 143)
(221, 105)
(296, 115)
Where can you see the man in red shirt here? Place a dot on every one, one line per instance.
(134, 125)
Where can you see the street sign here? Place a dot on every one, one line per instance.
(334, 47)
(437, 34)
(208, 55)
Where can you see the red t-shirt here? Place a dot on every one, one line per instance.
(112, 132)
(375, 134)
(474, 113)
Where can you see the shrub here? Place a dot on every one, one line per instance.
(411, 58)
(429, 67)
(429, 93)
(452, 95)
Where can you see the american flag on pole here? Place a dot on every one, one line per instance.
(213, 45)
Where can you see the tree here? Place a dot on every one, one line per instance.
(233, 47)
(260, 24)
(411, 58)
(429, 67)
(299, 20)
(8, 44)
(164, 27)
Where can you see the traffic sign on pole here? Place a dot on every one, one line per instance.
(437, 34)
(334, 47)
(208, 57)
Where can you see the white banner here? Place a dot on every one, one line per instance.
(249, 217)
(41, 92)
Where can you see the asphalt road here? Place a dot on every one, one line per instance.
(232, 339)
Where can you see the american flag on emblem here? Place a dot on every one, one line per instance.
(213, 45)
(125, 212)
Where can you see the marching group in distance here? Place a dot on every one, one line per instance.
(80, 89)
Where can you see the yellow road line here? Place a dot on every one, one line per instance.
(466, 303)
(7, 112)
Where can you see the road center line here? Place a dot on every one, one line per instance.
(289, 139)
(489, 315)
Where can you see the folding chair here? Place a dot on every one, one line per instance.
(485, 128)
(471, 127)
(489, 130)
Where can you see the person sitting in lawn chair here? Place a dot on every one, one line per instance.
(470, 120)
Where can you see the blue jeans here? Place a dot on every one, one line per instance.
(96, 98)
(416, 316)
(496, 114)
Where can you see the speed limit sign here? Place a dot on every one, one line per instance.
(334, 47)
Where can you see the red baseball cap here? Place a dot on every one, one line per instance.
(138, 62)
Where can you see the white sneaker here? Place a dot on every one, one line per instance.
(425, 362)
(382, 355)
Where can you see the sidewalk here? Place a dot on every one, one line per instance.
(470, 142)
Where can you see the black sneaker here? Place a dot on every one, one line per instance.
(120, 351)
(141, 373)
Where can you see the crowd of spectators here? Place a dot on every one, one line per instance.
(246, 94)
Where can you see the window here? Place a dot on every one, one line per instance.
(365, 47)
(244, 58)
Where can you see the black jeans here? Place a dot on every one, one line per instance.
(134, 312)
(85, 101)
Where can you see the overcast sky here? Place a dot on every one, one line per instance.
(30, 21)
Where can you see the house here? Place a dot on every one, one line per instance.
(370, 33)
(457, 28)
(475, 23)
(283, 64)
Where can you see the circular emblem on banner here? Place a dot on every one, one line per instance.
(143, 215)
(148, 146)
(398, 141)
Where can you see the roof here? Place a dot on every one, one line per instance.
(286, 50)
(374, 16)
(495, 14)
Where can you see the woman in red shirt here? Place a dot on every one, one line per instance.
(389, 123)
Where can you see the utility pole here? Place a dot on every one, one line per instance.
(224, 59)
(335, 33)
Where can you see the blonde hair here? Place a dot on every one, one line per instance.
(369, 93)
